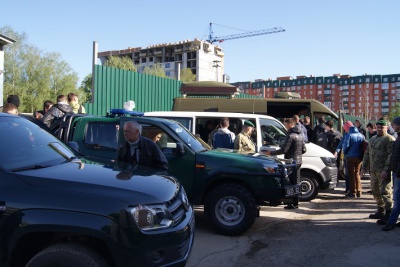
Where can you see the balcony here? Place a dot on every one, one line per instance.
(142, 54)
(219, 53)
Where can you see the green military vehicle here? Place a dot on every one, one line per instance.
(230, 185)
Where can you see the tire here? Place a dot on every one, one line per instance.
(67, 254)
(308, 186)
(231, 208)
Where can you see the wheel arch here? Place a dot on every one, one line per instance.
(220, 179)
(41, 228)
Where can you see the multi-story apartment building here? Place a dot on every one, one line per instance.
(204, 59)
(367, 96)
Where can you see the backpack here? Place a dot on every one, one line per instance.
(223, 141)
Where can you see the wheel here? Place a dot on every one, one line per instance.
(308, 186)
(67, 254)
(231, 208)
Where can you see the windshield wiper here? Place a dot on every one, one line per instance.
(33, 167)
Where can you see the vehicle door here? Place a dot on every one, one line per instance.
(273, 133)
(176, 143)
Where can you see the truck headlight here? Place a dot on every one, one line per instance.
(151, 217)
(329, 161)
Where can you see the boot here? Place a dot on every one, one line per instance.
(378, 214)
(385, 218)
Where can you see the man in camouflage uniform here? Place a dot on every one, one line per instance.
(243, 142)
(377, 158)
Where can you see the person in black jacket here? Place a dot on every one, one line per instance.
(139, 150)
(320, 128)
(293, 147)
(56, 112)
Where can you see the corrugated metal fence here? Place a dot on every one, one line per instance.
(113, 87)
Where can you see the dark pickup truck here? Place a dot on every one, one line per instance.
(60, 210)
(230, 185)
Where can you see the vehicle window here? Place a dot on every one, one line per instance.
(24, 144)
(100, 135)
(187, 137)
(272, 132)
(327, 117)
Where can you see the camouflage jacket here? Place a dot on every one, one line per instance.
(243, 143)
(378, 153)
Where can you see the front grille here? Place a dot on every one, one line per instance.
(176, 208)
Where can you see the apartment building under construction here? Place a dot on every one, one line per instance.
(204, 59)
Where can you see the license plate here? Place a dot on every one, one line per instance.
(292, 190)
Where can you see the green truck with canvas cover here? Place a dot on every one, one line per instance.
(230, 185)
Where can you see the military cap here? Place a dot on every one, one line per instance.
(248, 123)
(382, 122)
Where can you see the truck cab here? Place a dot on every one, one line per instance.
(231, 186)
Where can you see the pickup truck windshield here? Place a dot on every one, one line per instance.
(188, 138)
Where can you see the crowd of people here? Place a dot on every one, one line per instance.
(51, 113)
(380, 157)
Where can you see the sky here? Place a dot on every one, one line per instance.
(321, 37)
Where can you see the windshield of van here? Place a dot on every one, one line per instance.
(272, 132)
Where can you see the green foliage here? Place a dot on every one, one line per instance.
(34, 75)
(124, 63)
(155, 70)
(395, 111)
(187, 75)
(86, 89)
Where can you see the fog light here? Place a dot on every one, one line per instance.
(157, 256)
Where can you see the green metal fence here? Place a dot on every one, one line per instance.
(113, 87)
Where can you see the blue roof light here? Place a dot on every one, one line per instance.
(124, 112)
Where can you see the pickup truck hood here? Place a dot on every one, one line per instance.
(102, 181)
(233, 158)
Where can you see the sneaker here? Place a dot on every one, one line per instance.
(388, 227)
(377, 215)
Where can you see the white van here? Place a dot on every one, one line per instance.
(318, 170)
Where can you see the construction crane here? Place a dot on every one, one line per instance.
(212, 39)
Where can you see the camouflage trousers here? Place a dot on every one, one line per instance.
(382, 190)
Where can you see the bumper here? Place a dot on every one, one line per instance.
(329, 177)
(170, 247)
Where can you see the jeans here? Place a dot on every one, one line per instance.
(396, 199)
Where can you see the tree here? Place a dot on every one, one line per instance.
(86, 88)
(155, 70)
(34, 75)
(124, 63)
(187, 75)
(395, 111)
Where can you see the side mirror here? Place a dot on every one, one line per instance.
(180, 149)
(74, 146)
